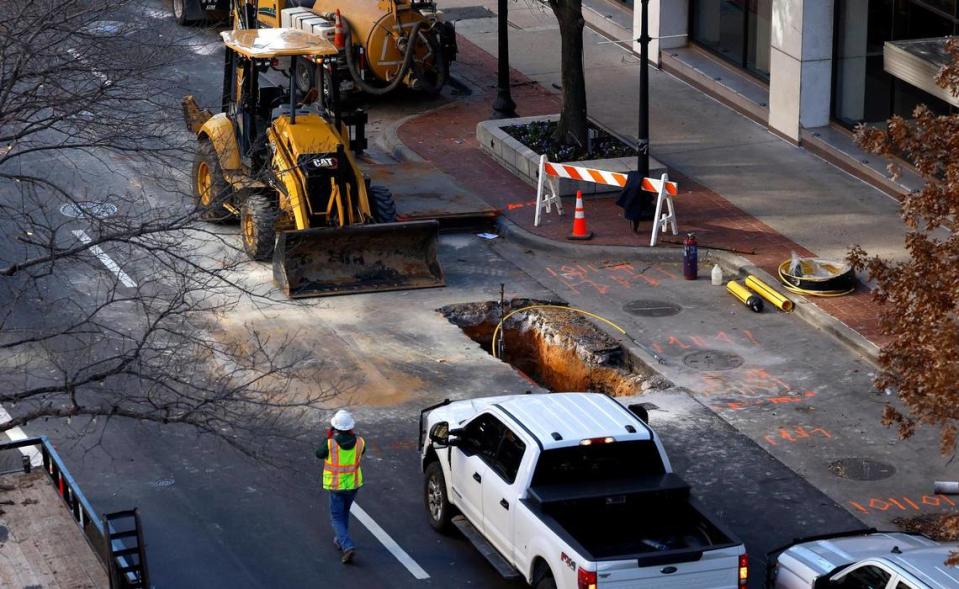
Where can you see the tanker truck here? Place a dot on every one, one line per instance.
(384, 44)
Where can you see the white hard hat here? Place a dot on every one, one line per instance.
(343, 420)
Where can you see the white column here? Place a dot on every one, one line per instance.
(800, 65)
(666, 18)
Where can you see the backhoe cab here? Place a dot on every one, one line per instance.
(282, 160)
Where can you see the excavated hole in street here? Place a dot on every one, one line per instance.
(559, 350)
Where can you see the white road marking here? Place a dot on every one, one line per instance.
(106, 260)
(16, 434)
(405, 559)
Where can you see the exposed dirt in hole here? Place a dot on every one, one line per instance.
(559, 350)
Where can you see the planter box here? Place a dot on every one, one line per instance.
(524, 162)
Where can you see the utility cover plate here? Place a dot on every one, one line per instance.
(861, 469)
(651, 308)
(708, 360)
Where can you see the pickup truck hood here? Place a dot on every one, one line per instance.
(824, 556)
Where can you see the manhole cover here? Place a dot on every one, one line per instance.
(651, 308)
(861, 469)
(88, 209)
(106, 28)
(707, 360)
(163, 483)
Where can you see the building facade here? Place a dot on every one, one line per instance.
(822, 59)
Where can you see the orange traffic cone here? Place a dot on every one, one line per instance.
(338, 41)
(579, 220)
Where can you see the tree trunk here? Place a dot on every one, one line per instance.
(572, 128)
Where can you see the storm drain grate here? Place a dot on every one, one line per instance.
(861, 469)
(652, 308)
(707, 360)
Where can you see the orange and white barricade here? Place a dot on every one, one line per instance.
(665, 190)
(547, 192)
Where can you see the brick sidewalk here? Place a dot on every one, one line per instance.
(447, 138)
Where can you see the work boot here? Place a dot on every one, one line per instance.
(347, 556)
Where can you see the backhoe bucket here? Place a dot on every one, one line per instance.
(363, 258)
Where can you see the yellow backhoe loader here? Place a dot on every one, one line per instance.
(284, 164)
(386, 44)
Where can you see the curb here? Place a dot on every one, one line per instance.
(808, 311)
(734, 264)
(738, 265)
(390, 140)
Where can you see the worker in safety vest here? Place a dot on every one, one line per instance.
(342, 476)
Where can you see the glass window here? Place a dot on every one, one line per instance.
(719, 25)
(598, 462)
(757, 31)
(482, 436)
(867, 577)
(902, 585)
(737, 30)
(509, 457)
(862, 90)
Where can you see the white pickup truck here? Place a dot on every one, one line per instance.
(865, 561)
(570, 491)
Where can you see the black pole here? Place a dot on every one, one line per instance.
(503, 105)
(643, 143)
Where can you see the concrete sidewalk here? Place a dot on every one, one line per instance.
(743, 188)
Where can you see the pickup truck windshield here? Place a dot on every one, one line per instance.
(598, 462)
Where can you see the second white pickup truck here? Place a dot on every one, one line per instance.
(570, 491)
(876, 560)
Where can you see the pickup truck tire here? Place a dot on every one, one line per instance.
(546, 581)
(438, 508)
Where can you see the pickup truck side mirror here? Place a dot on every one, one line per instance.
(440, 433)
(640, 411)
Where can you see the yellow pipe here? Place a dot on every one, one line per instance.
(768, 293)
(574, 309)
(746, 297)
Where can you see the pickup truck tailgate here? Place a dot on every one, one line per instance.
(717, 569)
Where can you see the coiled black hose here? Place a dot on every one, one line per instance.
(404, 68)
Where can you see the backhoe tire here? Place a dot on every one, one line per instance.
(210, 188)
(258, 226)
(438, 508)
(382, 204)
(183, 11)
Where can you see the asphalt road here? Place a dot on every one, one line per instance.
(214, 518)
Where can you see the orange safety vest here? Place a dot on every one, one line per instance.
(341, 469)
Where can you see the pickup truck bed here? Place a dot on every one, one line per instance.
(651, 519)
(40, 543)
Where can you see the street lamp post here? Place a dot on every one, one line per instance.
(503, 106)
(643, 139)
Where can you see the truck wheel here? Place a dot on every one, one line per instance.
(437, 503)
(382, 204)
(546, 582)
(210, 188)
(258, 226)
(183, 11)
